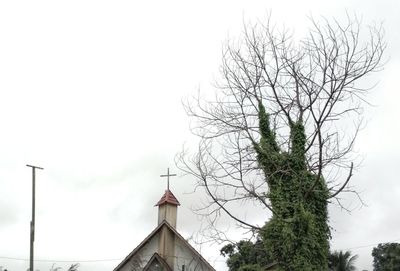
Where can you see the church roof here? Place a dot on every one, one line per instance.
(168, 197)
(152, 234)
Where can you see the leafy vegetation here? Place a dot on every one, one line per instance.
(386, 257)
(297, 234)
(73, 267)
(342, 261)
(246, 255)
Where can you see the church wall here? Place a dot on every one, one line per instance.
(142, 256)
(186, 257)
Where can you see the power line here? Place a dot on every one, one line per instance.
(61, 261)
(78, 261)
(120, 259)
(370, 245)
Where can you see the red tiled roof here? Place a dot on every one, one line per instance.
(168, 197)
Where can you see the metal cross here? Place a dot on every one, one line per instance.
(168, 175)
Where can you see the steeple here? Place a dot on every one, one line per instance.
(167, 211)
(168, 205)
(164, 248)
(168, 208)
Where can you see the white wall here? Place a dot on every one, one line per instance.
(143, 255)
(186, 257)
(183, 256)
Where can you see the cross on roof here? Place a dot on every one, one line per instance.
(168, 175)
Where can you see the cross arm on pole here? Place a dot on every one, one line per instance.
(34, 167)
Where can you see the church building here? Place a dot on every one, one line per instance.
(164, 249)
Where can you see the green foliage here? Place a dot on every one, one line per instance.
(250, 267)
(339, 261)
(246, 256)
(297, 236)
(386, 257)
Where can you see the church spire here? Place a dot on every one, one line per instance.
(168, 205)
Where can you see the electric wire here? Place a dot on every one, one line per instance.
(120, 259)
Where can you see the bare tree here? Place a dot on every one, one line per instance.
(314, 80)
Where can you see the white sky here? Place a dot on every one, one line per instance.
(92, 90)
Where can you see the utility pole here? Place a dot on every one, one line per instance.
(33, 217)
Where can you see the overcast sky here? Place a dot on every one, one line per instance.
(92, 90)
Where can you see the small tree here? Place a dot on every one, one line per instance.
(342, 261)
(386, 257)
(73, 267)
(246, 255)
(55, 268)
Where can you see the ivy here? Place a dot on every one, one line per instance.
(297, 236)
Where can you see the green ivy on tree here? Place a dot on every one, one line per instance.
(307, 86)
(297, 236)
